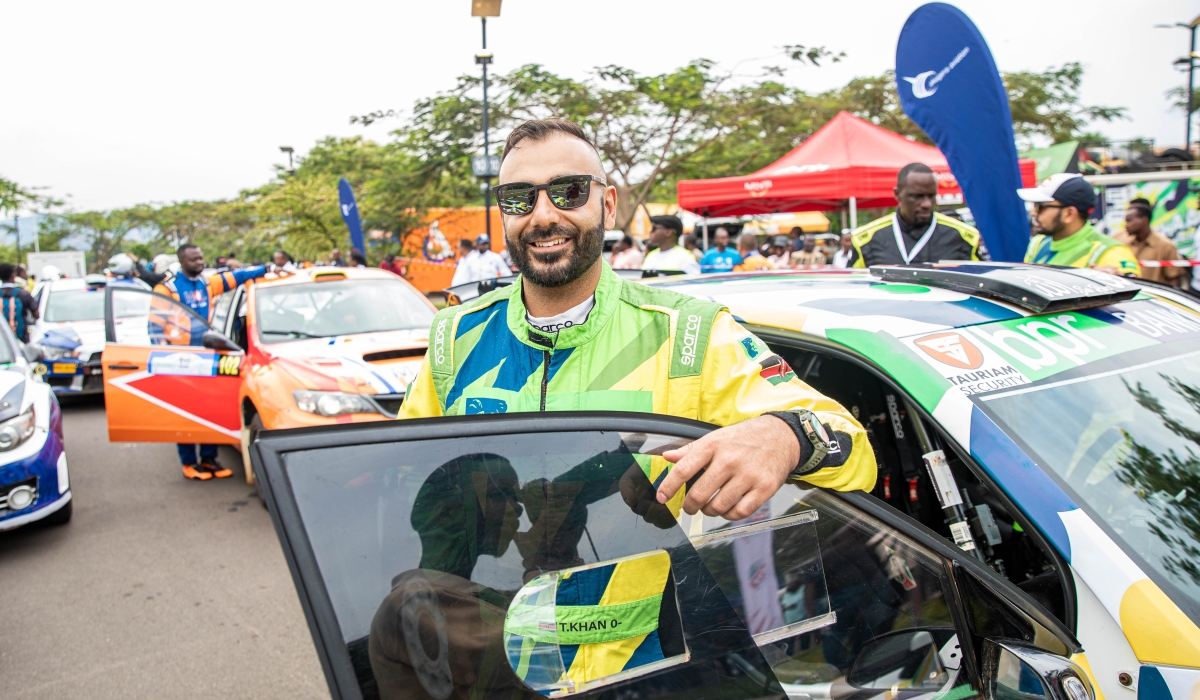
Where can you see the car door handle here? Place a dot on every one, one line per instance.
(124, 367)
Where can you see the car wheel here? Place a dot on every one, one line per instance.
(62, 516)
(249, 435)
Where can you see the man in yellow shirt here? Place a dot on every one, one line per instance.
(1063, 234)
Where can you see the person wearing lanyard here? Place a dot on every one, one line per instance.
(915, 233)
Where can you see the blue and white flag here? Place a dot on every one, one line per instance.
(350, 215)
(949, 86)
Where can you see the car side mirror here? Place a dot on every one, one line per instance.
(1017, 672)
(914, 659)
(217, 341)
(32, 353)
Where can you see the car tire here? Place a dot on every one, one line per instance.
(249, 435)
(62, 516)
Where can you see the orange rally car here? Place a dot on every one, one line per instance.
(322, 346)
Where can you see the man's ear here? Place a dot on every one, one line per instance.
(610, 207)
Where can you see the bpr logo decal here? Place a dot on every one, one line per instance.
(923, 85)
(951, 349)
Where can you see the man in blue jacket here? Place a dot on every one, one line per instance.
(720, 258)
(195, 290)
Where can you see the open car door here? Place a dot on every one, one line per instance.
(168, 377)
(521, 556)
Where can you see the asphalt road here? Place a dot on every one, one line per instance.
(159, 587)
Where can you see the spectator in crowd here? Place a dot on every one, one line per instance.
(719, 258)
(335, 258)
(16, 303)
(389, 263)
(282, 263)
(796, 236)
(22, 279)
(781, 252)
(845, 252)
(357, 259)
(463, 272)
(669, 256)
(1148, 244)
(233, 263)
(915, 233)
(1064, 235)
(693, 246)
(752, 260)
(489, 261)
(808, 254)
(626, 256)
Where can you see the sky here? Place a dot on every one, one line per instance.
(123, 102)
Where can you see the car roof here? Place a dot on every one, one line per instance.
(67, 284)
(310, 274)
(813, 301)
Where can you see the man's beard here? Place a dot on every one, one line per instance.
(560, 267)
(1055, 226)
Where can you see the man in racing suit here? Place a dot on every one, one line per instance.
(570, 334)
(195, 291)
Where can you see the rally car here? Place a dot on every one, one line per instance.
(34, 483)
(70, 333)
(319, 347)
(1032, 533)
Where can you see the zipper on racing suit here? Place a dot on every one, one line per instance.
(547, 344)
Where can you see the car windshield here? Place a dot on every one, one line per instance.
(344, 307)
(75, 305)
(1126, 443)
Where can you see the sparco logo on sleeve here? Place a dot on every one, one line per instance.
(690, 336)
(439, 343)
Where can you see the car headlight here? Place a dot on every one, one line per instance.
(51, 352)
(14, 431)
(332, 403)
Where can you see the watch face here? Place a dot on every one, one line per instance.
(818, 429)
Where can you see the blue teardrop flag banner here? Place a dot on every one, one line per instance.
(350, 215)
(949, 86)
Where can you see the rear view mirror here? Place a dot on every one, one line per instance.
(576, 629)
(216, 341)
(912, 659)
(1017, 672)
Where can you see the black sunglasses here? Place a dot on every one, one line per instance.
(567, 192)
(1041, 205)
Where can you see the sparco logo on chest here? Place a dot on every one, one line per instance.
(439, 343)
(690, 335)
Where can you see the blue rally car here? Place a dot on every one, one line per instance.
(33, 463)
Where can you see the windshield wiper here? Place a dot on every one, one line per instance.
(296, 334)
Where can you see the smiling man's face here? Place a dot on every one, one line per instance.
(551, 246)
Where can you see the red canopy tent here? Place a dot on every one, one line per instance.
(849, 161)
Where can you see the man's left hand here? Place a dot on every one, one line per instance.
(747, 463)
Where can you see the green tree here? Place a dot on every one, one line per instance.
(101, 234)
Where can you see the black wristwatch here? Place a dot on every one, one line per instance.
(808, 429)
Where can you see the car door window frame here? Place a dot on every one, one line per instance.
(798, 341)
(267, 456)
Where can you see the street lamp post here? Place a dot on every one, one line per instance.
(484, 9)
(289, 150)
(1190, 62)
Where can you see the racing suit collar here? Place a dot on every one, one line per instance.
(608, 293)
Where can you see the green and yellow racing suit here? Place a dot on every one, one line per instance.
(640, 349)
(1084, 248)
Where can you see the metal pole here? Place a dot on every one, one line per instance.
(1191, 73)
(37, 247)
(853, 213)
(17, 235)
(487, 191)
(704, 228)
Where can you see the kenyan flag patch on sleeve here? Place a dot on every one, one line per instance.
(775, 370)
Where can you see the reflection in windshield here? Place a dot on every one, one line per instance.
(422, 552)
(344, 307)
(1126, 442)
(75, 305)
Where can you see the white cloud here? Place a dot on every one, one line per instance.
(125, 102)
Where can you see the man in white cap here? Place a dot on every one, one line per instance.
(1064, 236)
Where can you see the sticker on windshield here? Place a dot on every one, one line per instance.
(187, 364)
(970, 367)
